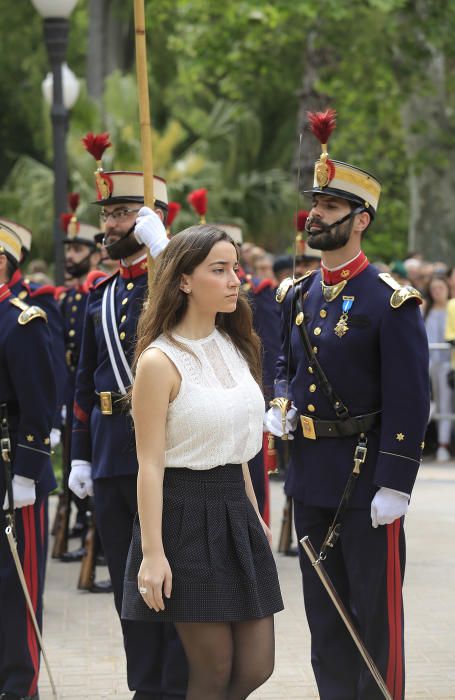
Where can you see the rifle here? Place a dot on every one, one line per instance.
(88, 563)
(62, 516)
(285, 539)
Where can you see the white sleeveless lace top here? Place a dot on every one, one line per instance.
(217, 415)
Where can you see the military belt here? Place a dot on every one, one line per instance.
(314, 428)
(111, 403)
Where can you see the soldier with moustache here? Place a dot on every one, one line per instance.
(27, 407)
(44, 297)
(104, 462)
(354, 364)
(82, 256)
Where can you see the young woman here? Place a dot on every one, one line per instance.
(200, 556)
(435, 316)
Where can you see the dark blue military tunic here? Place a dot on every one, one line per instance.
(376, 361)
(73, 304)
(107, 441)
(266, 323)
(27, 386)
(380, 363)
(43, 296)
(156, 663)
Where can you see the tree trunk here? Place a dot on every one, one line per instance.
(110, 43)
(432, 166)
(96, 48)
(310, 100)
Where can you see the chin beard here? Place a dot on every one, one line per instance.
(79, 269)
(123, 247)
(330, 238)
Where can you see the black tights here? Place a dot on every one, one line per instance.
(227, 661)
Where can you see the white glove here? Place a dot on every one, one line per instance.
(388, 505)
(273, 424)
(55, 437)
(80, 479)
(24, 492)
(150, 231)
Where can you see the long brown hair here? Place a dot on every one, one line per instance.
(167, 303)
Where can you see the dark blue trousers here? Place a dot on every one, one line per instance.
(156, 662)
(19, 649)
(367, 568)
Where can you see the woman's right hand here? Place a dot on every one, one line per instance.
(154, 578)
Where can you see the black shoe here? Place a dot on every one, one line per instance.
(101, 560)
(77, 531)
(75, 555)
(102, 587)
(13, 696)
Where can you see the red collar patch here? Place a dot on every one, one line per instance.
(139, 268)
(347, 272)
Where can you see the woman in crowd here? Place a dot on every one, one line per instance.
(200, 556)
(435, 315)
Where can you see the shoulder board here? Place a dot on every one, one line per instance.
(60, 293)
(94, 277)
(283, 289)
(28, 313)
(40, 291)
(287, 283)
(401, 292)
(264, 284)
(100, 283)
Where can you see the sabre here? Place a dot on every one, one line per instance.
(13, 546)
(338, 603)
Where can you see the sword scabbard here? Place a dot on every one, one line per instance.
(338, 603)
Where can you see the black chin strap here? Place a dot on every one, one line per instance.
(354, 212)
(111, 248)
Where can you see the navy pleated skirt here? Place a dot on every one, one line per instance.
(223, 569)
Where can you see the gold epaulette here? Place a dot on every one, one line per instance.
(287, 283)
(401, 292)
(28, 312)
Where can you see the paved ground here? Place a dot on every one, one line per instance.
(84, 645)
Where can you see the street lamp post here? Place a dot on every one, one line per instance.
(56, 24)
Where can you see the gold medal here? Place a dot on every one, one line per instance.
(342, 327)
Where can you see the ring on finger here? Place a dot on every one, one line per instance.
(142, 590)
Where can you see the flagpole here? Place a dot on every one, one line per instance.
(144, 112)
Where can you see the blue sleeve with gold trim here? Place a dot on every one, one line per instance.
(405, 396)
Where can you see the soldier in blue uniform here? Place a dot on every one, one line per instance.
(82, 256)
(44, 297)
(366, 333)
(28, 402)
(104, 462)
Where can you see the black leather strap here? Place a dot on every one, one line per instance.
(347, 427)
(327, 389)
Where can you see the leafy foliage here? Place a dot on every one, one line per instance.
(225, 82)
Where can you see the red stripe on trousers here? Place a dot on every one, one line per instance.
(394, 677)
(266, 513)
(399, 615)
(41, 521)
(30, 573)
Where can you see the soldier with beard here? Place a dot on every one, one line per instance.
(82, 256)
(353, 375)
(104, 462)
